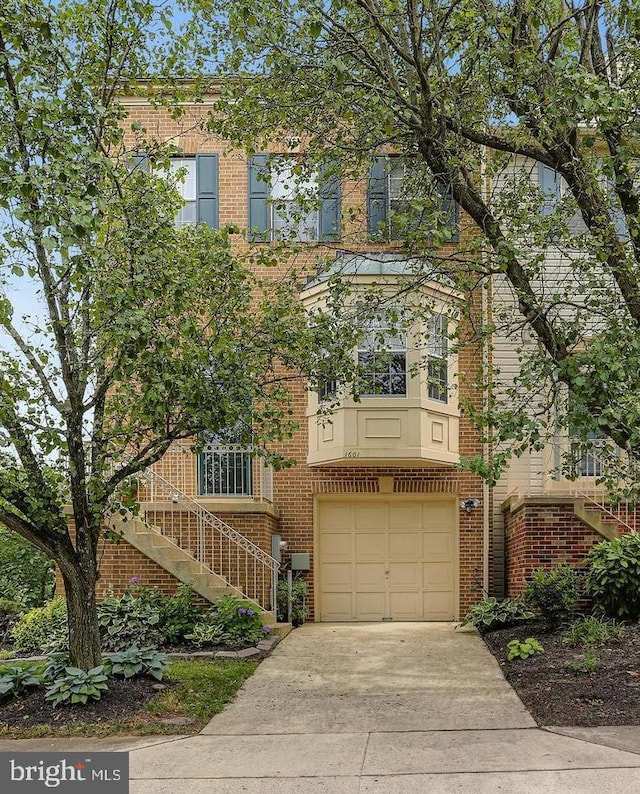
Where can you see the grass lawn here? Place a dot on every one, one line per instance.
(196, 690)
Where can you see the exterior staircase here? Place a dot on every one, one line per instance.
(179, 563)
(197, 547)
(595, 517)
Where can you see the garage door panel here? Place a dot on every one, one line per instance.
(405, 575)
(439, 606)
(437, 546)
(407, 606)
(337, 575)
(370, 606)
(405, 545)
(439, 515)
(336, 546)
(336, 606)
(405, 516)
(370, 575)
(436, 575)
(337, 515)
(371, 546)
(370, 516)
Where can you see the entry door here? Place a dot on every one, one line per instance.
(387, 559)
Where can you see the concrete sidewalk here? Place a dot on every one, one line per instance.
(377, 709)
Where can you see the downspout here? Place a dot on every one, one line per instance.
(486, 494)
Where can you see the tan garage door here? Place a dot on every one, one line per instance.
(387, 559)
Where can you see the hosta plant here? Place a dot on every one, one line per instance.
(493, 614)
(77, 686)
(523, 650)
(129, 621)
(14, 680)
(138, 661)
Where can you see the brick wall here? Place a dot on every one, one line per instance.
(539, 535)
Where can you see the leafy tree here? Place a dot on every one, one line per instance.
(468, 89)
(139, 333)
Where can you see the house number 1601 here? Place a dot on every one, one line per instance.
(352, 453)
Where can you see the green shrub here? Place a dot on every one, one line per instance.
(492, 614)
(554, 593)
(77, 686)
(137, 661)
(231, 622)
(613, 577)
(592, 631)
(523, 650)
(179, 614)
(35, 630)
(128, 621)
(299, 609)
(14, 680)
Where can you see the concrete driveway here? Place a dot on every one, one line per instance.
(380, 709)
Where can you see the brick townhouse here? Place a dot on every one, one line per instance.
(374, 514)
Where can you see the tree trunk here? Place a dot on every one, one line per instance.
(84, 632)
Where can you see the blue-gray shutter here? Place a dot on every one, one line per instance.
(207, 189)
(330, 214)
(549, 184)
(259, 215)
(378, 196)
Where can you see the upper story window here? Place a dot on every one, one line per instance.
(285, 203)
(196, 180)
(397, 205)
(182, 173)
(294, 209)
(382, 356)
(554, 189)
(438, 359)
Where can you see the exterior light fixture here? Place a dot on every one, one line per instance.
(468, 504)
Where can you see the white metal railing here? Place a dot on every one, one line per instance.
(208, 539)
(586, 486)
(225, 470)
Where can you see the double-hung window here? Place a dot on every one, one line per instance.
(401, 200)
(182, 176)
(288, 201)
(196, 180)
(438, 359)
(382, 358)
(294, 209)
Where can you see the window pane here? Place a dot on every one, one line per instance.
(384, 373)
(187, 215)
(290, 192)
(438, 359)
(186, 184)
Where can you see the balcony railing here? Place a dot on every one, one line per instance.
(225, 470)
(219, 470)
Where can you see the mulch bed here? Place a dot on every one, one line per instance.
(123, 699)
(556, 694)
